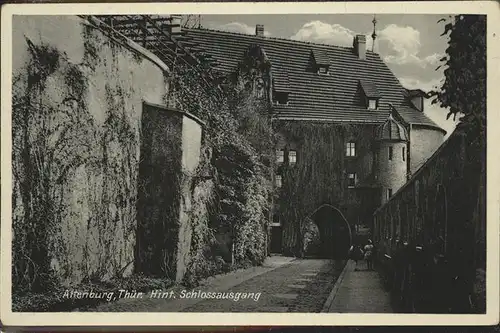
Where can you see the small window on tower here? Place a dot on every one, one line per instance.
(351, 180)
(403, 150)
(350, 149)
(278, 181)
(292, 157)
(280, 156)
(389, 193)
(390, 153)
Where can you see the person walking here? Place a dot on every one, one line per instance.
(369, 255)
(355, 254)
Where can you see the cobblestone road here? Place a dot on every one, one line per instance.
(301, 285)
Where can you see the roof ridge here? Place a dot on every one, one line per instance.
(314, 96)
(293, 41)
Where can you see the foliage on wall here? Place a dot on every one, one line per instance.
(74, 173)
(76, 165)
(232, 184)
(312, 240)
(464, 93)
(317, 178)
(44, 159)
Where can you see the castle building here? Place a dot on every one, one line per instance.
(371, 134)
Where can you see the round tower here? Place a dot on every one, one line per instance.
(391, 154)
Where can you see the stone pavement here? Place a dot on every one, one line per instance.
(219, 282)
(302, 286)
(358, 292)
(283, 284)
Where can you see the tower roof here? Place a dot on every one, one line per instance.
(391, 130)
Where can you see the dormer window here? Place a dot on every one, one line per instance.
(280, 98)
(281, 85)
(416, 97)
(323, 70)
(370, 94)
(319, 61)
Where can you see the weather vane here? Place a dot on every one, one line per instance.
(374, 34)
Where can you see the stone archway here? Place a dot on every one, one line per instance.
(335, 232)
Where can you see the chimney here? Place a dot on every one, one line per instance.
(175, 25)
(259, 30)
(360, 46)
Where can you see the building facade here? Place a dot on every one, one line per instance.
(348, 134)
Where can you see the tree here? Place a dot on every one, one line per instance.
(464, 93)
(464, 90)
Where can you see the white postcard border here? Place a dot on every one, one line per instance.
(490, 8)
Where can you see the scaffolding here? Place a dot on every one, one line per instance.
(160, 34)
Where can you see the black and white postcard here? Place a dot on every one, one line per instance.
(250, 164)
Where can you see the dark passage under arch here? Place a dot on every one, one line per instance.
(334, 231)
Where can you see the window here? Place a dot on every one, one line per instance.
(280, 156)
(389, 193)
(276, 221)
(390, 153)
(372, 104)
(259, 88)
(280, 98)
(351, 180)
(350, 149)
(277, 181)
(323, 70)
(292, 157)
(403, 151)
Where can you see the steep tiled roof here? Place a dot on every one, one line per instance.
(281, 81)
(334, 97)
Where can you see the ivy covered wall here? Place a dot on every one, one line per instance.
(231, 188)
(320, 176)
(77, 109)
(77, 102)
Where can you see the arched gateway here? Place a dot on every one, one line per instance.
(334, 230)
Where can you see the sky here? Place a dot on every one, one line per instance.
(410, 45)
